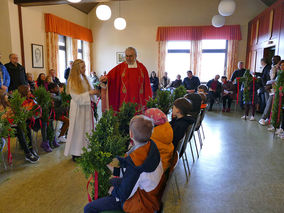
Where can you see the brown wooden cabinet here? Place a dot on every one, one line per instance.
(266, 36)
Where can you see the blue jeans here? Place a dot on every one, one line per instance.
(103, 204)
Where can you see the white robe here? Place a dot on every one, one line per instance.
(81, 122)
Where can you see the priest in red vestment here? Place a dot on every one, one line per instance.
(128, 82)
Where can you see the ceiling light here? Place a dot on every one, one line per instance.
(218, 21)
(103, 12)
(227, 7)
(74, 1)
(120, 23)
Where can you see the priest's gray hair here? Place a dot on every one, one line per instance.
(133, 49)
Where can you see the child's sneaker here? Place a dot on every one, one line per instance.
(281, 136)
(228, 110)
(262, 122)
(244, 117)
(279, 131)
(271, 129)
(224, 110)
(62, 139)
(31, 158)
(252, 118)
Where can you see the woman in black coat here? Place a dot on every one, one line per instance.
(154, 80)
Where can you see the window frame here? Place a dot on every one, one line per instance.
(64, 48)
(81, 51)
(219, 51)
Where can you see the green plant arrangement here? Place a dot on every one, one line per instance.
(164, 101)
(126, 112)
(278, 100)
(20, 114)
(105, 143)
(247, 81)
(6, 129)
(152, 103)
(66, 98)
(179, 92)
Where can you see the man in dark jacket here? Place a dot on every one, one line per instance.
(17, 72)
(264, 75)
(191, 82)
(238, 74)
(67, 71)
(215, 88)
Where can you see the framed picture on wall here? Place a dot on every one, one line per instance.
(120, 57)
(37, 56)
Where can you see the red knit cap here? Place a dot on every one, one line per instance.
(157, 116)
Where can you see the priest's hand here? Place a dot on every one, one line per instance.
(4, 87)
(103, 79)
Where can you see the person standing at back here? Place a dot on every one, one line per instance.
(191, 82)
(67, 71)
(165, 81)
(17, 72)
(238, 74)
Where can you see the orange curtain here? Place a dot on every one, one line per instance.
(74, 49)
(52, 50)
(162, 58)
(61, 26)
(178, 33)
(196, 57)
(232, 57)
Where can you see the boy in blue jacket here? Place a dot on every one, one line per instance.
(138, 188)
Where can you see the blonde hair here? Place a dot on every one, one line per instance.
(74, 82)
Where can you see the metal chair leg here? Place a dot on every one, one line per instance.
(177, 186)
(185, 171)
(191, 151)
(2, 154)
(186, 160)
(196, 145)
(200, 139)
(201, 126)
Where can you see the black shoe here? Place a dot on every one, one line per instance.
(31, 158)
(34, 153)
(75, 158)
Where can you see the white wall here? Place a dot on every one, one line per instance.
(144, 16)
(33, 29)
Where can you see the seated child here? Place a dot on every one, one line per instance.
(162, 135)
(59, 111)
(24, 90)
(181, 118)
(40, 82)
(31, 81)
(137, 190)
(30, 155)
(196, 101)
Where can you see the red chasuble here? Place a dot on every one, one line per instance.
(128, 85)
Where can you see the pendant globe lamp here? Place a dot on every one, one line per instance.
(103, 12)
(74, 1)
(218, 21)
(119, 23)
(227, 7)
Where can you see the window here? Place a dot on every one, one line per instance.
(177, 58)
(62, 57)
(214, 59)
(80, 49)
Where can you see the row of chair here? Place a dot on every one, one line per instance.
(182, 154)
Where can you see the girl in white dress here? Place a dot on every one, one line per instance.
(81, 114)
